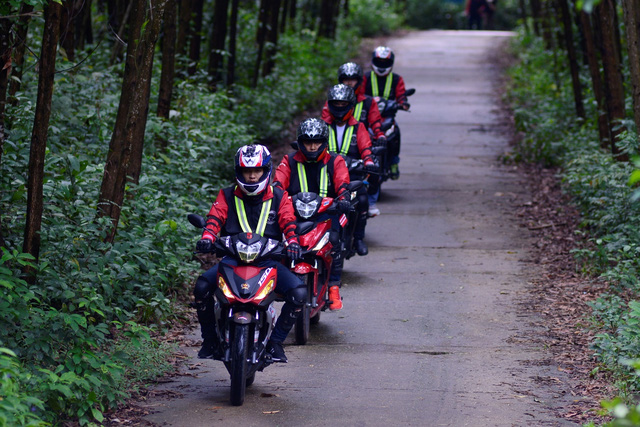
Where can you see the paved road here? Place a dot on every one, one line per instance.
(431, 333)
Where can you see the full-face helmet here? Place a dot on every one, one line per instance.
(382, 60)
(313, 130)
(253, 156)
(338, 94)
(350, 70)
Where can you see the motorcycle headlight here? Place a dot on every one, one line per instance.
(222, 284)
(322, 242)
(266, 290)
(248, 253)
(306, 210)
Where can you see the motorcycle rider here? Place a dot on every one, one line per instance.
(367, 112)
(380, 81)
(314, 169)
(350, 138)
(246, 206)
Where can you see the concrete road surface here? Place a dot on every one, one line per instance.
(431, 333)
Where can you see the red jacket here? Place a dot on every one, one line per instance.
(397, 87)
(223, 219)
(371, 113)
(360, 145)
(286, 175)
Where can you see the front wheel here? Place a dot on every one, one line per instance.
(302, 325)
(239, 365)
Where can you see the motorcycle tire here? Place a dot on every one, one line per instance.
(239, 364)
(302, 325)
(315, 319)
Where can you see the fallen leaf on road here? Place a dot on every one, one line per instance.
(270, 412)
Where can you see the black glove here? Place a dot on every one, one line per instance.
(343, 206)
(372, 165)
(294, 251)
(204, 245)
(405, 106)
(380, 142)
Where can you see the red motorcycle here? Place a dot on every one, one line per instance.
(244, 297)
(314, 230)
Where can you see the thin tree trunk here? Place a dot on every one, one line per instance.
(50, 36)
(216, 44)
(536, 16)
(20, 45)
(272, 37)
(260, 38)
(5, 71)
(631, 10)
(614, 88)
(184, 18)
(283, 16)
(572, 56)
(117, 47)
(168, 60)
(591, 52)
(233, 31)
(132, 110)
(196, 37)
(68, 30)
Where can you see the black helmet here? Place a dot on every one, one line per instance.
(382, 60)
(313, 130)
(350, 70)
(341, 92)
(253, 156)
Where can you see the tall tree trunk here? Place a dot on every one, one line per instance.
(20, 45)
(50, 36)
(84, 31)
(284, 14)
(591, 52)
(631, 10)
(168, 60)
(233, 31)
(195, 37)
(260, 38)
(216, 44)
(536, 16)
(116, 53)
(613, 82)
(5, 71)
(184, 20)
(132, 109)
(68, 30)
(572, 56)
(272, 37)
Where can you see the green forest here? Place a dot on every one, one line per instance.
(118, 118)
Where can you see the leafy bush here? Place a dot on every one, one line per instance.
(599, 185)
(83, 330)
(370, 18)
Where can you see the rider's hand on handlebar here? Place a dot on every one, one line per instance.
(371, 165)
(204, 245)
(343, 206)
(380, 142)
(294, 251)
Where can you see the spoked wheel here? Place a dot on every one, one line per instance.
(239, 365)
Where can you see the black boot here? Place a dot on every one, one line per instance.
(275, 349)
(361, 247)
(210, 344)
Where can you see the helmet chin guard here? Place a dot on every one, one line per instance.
(341, 92)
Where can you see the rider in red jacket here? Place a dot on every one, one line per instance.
(386, 84)
(350, 138)
(313, 168)
(241, 208)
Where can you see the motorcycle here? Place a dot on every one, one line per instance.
(388, 110)
(243, 305)
(315, 236)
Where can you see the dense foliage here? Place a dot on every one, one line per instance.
(71, 340)
(600, 187)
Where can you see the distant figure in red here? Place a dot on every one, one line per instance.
(475, 9)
